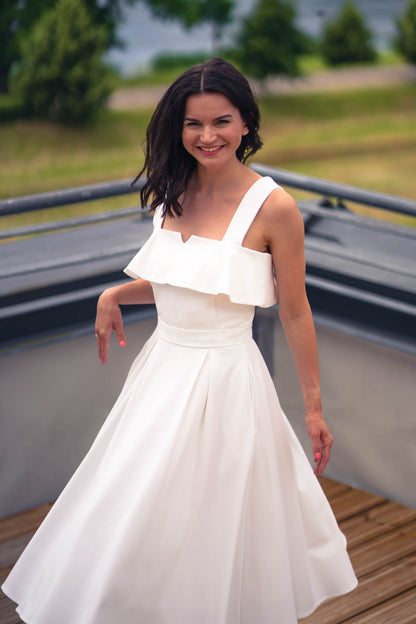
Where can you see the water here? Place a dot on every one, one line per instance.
(144, 36)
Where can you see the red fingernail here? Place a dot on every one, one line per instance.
(317, 456)
(122, 343)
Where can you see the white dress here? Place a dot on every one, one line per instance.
(196, 503)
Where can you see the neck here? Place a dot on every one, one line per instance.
(211, 181)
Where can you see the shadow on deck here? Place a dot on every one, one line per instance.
(381, 541)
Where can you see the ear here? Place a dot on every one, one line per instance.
(245, 130)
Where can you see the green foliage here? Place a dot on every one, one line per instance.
(192, 12)
(268, 42)
(11, 108)
(61, 75)
(17, 18)
(405, 42)
(8, 39)
(217, 13)
(347, 39)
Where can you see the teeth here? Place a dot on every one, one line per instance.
(209, 149)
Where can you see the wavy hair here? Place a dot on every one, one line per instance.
(168, 165)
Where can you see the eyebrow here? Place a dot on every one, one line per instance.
(216, 119)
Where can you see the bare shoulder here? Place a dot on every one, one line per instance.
(280, 212)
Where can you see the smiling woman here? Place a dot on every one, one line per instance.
(167, 158)
(196, 502)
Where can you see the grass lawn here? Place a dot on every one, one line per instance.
(366, 138)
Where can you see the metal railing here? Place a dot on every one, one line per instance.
(321, 287)
(339, 191)
(41, 201)
(76, 195)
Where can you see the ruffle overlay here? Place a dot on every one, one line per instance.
(206, 265)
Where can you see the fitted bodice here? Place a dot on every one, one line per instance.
(193, 318)
(206, 283)
(214, 267)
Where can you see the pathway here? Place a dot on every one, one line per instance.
(130, 98)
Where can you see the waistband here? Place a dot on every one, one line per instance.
(207, 338)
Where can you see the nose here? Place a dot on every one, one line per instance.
(208, 135)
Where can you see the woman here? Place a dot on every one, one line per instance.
(196, 503)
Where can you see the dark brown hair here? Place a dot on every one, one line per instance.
(168, 165)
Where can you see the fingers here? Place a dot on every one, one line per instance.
(118, 328)
(322, 451)
(103, 341)
(321, 442)
(108, 319)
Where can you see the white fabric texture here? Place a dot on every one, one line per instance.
(196, 503)
(211, 266)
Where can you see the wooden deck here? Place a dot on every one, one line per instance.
(381, 541)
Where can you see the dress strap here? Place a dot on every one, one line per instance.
(248, 209)
(158, 217)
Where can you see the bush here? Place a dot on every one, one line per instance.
(11, 108)
(405, 42)
(347, 39)
(61, 75)
(268, 42)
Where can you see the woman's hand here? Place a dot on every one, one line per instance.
(321, 440)
(108, 319)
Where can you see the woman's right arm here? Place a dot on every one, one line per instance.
(109, 318)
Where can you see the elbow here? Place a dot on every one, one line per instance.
(292, 311)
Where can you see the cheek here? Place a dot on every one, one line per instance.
(186, 137)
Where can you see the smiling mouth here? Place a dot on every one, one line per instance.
(210, 150)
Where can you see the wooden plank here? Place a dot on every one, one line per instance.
(333, 488)
(23, 522)
(377, 521)
(385, 549)
(11, 550)
(399, 610)
(354, 502)
(371, 590)
(382, 544)
(4, 573)
(8, 613)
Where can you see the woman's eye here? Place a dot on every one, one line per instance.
(223, 121)
(190, 124)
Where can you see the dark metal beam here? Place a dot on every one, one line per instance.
(340, 191)
(319, 186)
(76, 195)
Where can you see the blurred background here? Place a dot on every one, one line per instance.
(79, 79)
(145, 37)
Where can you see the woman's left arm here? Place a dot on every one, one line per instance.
(285, 239)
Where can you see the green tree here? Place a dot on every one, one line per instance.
(17, 18)
(347, 39)
(405, 42)
(61, 75)
(217, 13)
(8, 39)
(268, 42)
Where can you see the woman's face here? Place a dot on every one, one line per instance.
(212, 129)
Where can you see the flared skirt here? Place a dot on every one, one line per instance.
(195, 504)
